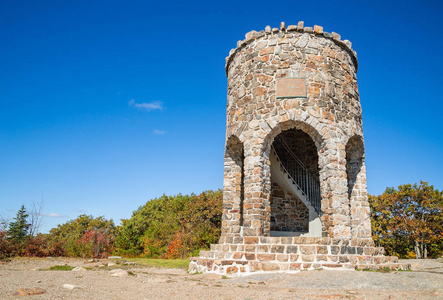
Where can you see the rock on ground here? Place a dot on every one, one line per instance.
(28, 292)
(70, 286)
(118, 273)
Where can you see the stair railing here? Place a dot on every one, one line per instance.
(300, 176)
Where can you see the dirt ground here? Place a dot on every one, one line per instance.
(424, 282)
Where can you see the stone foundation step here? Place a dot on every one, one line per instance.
(297, 257)
(299, 249)
(233, 267)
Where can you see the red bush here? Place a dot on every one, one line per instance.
(176, 248)
(97, 243)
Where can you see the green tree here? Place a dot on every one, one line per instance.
(408, 221)
(18, 228)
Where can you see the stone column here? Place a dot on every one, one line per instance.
(257, 190)
(232, 188)
(333, 183)
(360, 210)
(357, 190)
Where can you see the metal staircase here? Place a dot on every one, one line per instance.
(302, 182)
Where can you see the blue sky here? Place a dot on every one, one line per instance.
(107, 104)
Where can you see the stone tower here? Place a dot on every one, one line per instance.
(295, 192)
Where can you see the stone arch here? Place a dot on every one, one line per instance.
(352, 131)
(290, 124)
(233, 186)
(237, 131)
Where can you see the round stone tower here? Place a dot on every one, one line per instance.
(297, 84)
(294, 192)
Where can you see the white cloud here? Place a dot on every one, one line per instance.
(53, 215)
(147, 106)
(158, 132)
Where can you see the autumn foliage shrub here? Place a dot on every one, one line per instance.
(172, 226)
(98, 243)
(6, 246)
(85, 236)
(175, 249)
(41, 245)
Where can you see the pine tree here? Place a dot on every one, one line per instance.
(18, 228)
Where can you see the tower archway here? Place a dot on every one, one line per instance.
(295, 199)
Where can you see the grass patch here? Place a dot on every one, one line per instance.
(384, 270)
(196, 273)
(158, 263)
(131, 273)
(59, 268)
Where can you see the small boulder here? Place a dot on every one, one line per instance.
(78, 269)
(110, 264)
(118, 273)
(70, 286)
(114, 257)
(28, 292)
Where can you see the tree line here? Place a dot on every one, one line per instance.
(406, 221)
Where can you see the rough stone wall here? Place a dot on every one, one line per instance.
(330, 115)
(288, 213)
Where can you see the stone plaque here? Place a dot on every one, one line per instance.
(291, 87)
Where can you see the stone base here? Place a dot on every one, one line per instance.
(291, 254)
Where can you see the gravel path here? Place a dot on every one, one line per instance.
(424, 282)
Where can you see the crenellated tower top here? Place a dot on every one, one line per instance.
(316, 30)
